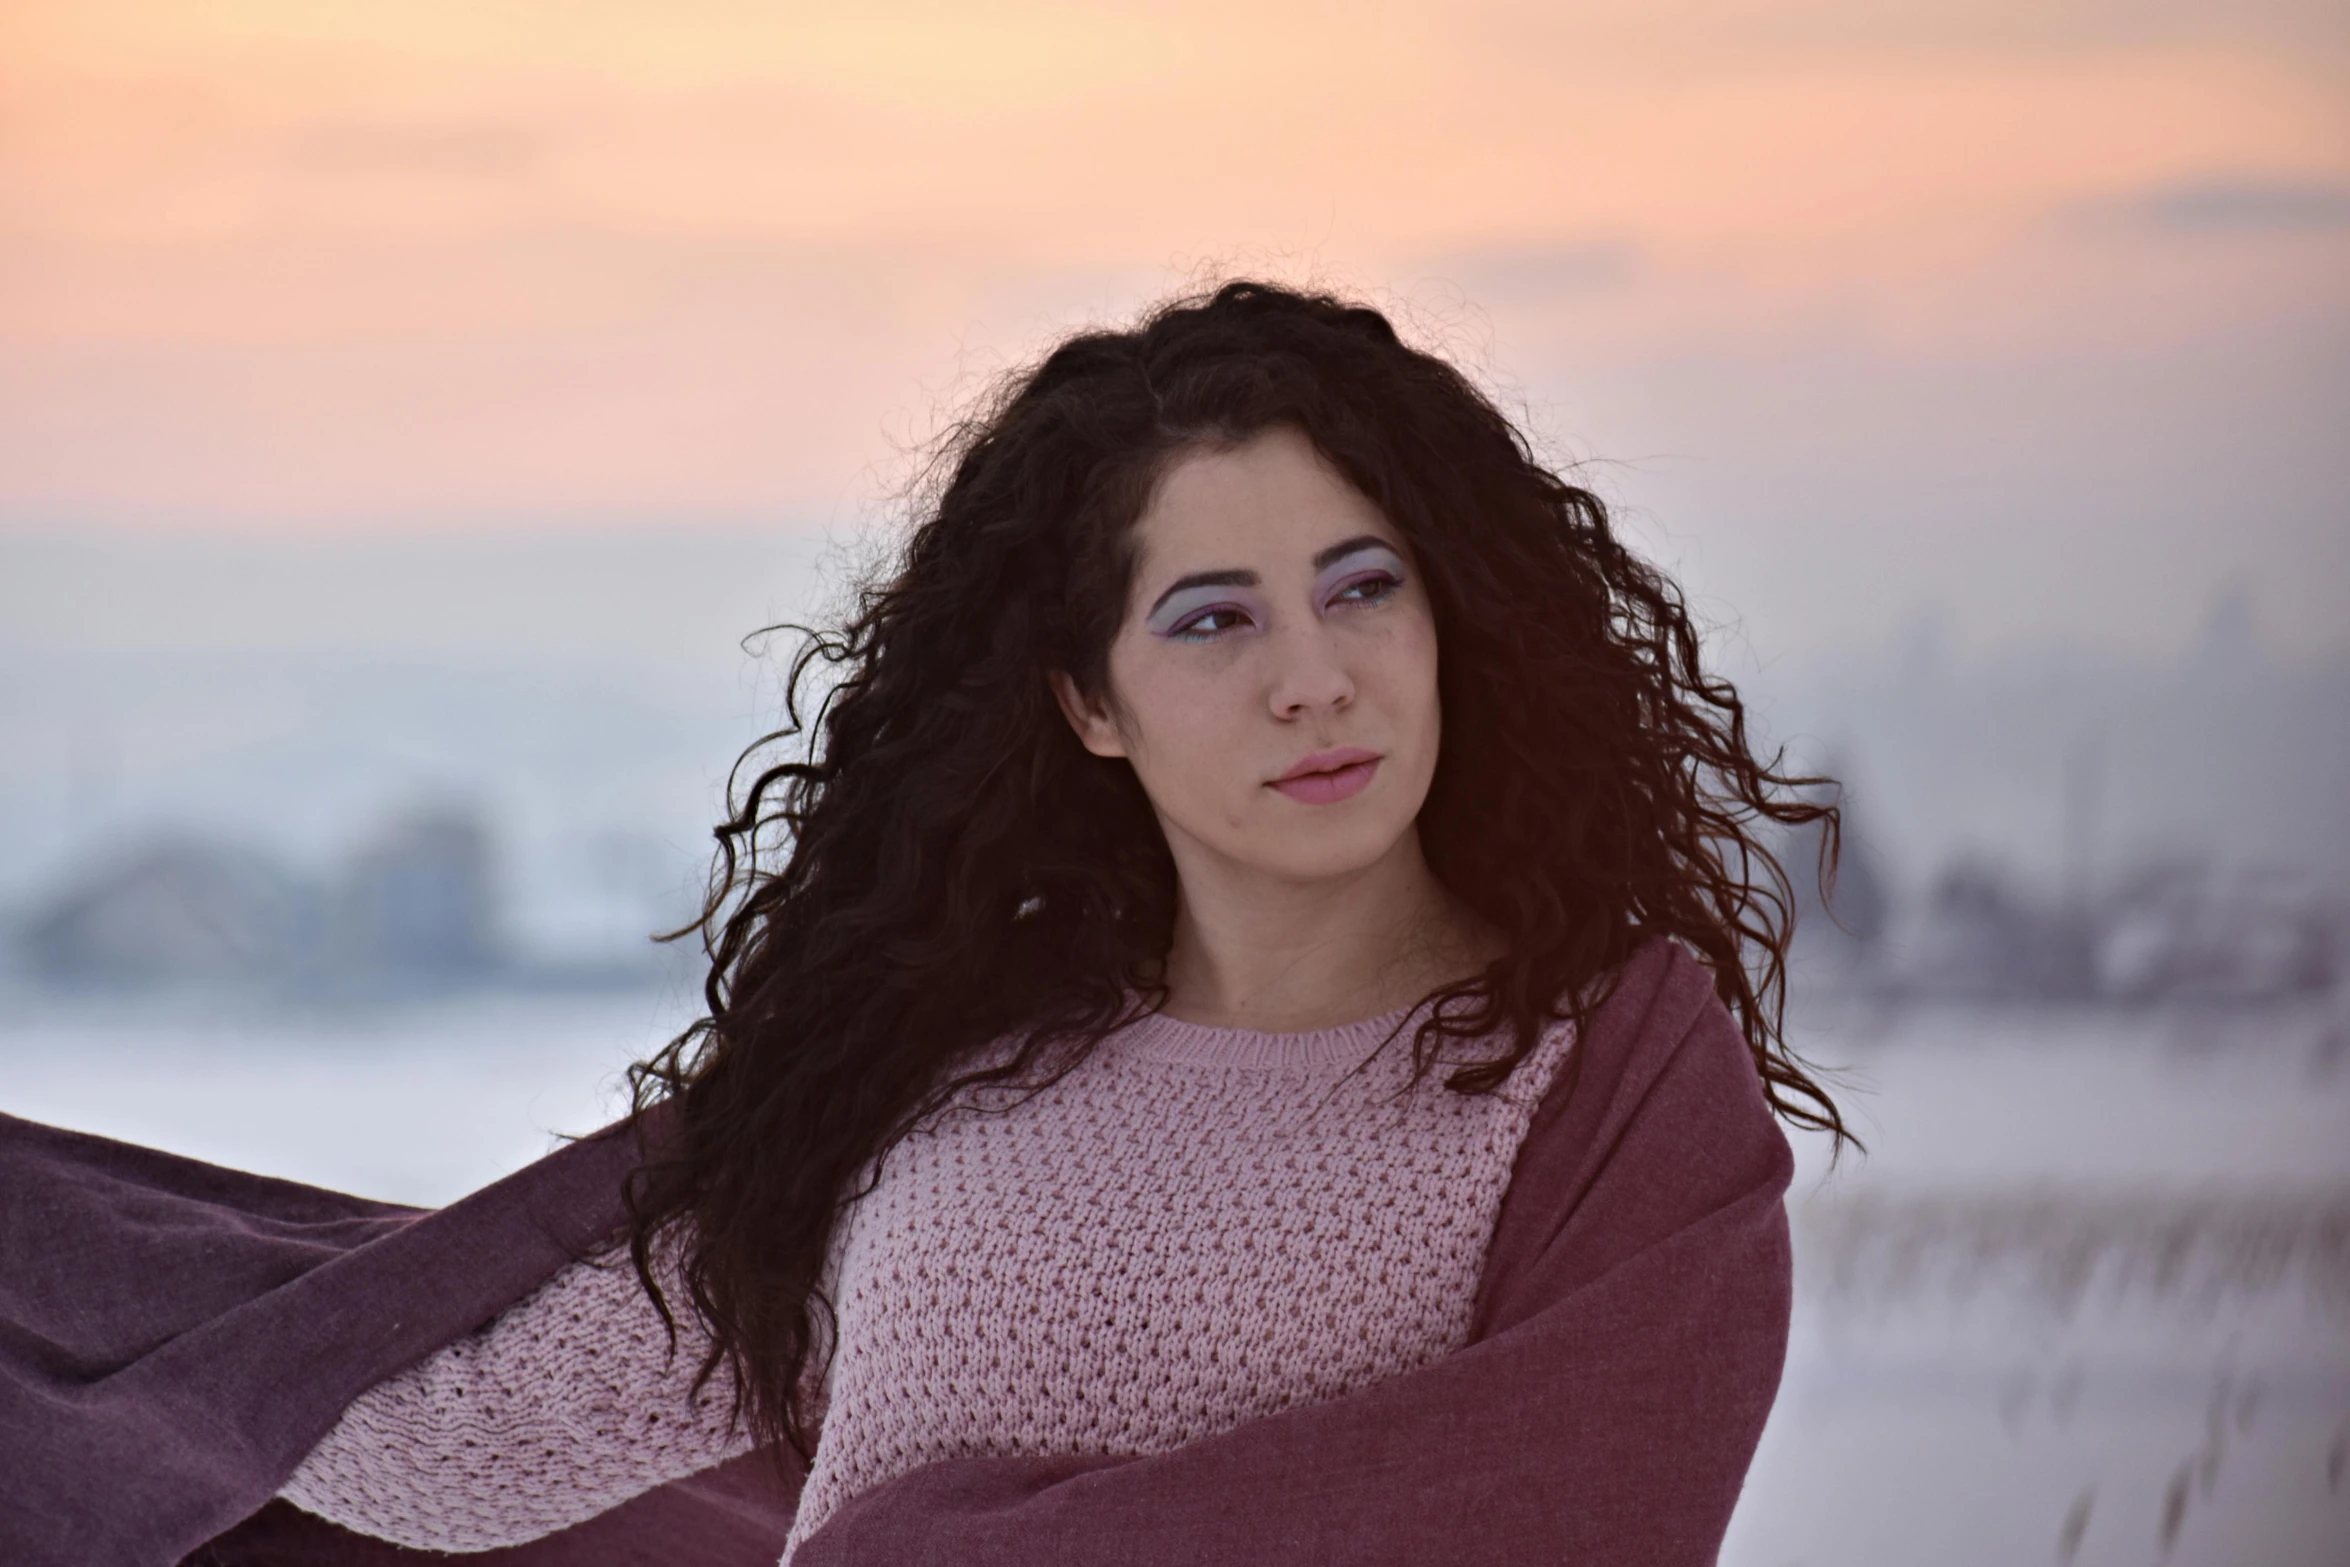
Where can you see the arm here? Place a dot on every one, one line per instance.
(565, 1405)
(1627, 1347)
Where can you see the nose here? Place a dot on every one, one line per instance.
(1309, 677)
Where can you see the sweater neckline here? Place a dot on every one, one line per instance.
(1158, 1037)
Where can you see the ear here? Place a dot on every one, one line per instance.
(1096, 731)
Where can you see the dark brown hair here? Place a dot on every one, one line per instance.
(941, 864)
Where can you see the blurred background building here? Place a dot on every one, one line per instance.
(407, 414)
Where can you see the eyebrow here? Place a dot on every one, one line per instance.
(1205, 579)
(1345, 547)
(1323, 561)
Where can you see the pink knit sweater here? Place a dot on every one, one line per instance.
(1195, 1228)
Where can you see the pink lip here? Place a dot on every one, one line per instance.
(1327, 777)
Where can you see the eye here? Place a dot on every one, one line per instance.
(1204, 625)
(1368, 587)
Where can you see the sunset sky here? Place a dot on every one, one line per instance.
(2029, 315)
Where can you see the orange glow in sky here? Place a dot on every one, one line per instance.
(317, 265)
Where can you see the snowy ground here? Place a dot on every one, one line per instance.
(2087, 1300)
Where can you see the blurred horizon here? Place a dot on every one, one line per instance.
(568, 703)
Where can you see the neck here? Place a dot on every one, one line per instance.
(1258, 952)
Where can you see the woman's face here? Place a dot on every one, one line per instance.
(1273, 681)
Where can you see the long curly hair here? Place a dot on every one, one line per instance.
(933, 863)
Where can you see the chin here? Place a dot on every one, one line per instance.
(1322, 856)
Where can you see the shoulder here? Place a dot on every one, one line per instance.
(1661, 1071)
(1661, 1014)
(1657, 1125)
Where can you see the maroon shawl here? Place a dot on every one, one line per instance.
(175, 1337)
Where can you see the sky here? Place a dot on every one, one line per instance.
(2025, 319)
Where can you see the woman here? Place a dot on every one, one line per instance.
(1248, 1033)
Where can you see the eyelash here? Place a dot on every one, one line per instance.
(1191, 630)
(1386, 582)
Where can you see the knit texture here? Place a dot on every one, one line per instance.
(1192, 1229)
(567, 1403)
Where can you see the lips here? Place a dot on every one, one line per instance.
(1327, 777)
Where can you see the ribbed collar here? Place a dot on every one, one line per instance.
(1158, 1037)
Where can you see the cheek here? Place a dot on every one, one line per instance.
(1180, 716)
(1404, 661)
(1192, 735)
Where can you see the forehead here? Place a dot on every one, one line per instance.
(1270, 502)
